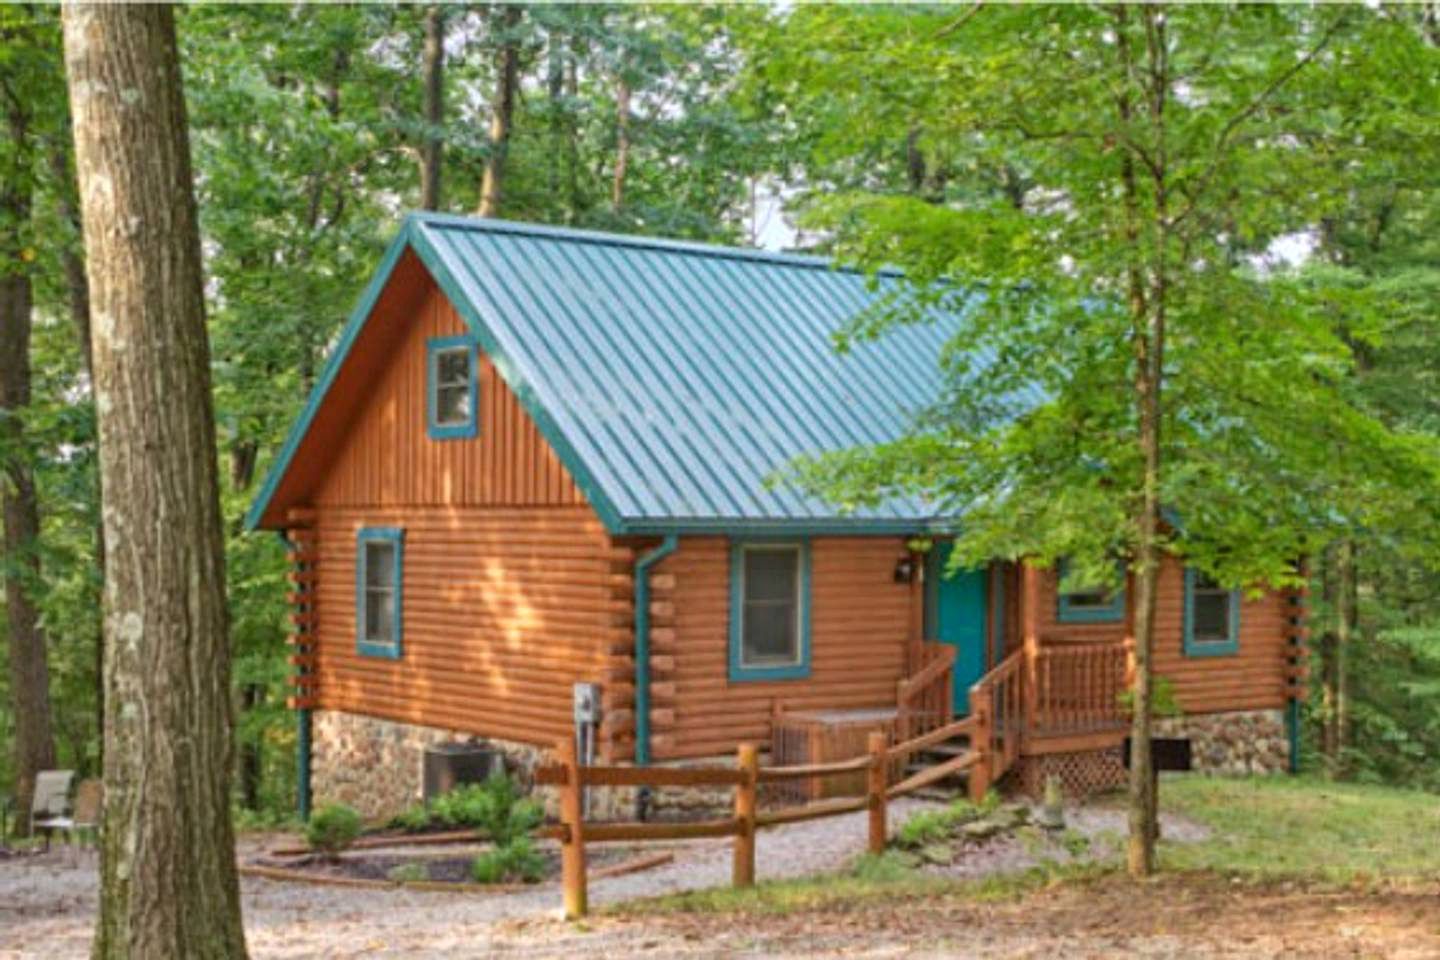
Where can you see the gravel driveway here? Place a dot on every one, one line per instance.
(47, 902)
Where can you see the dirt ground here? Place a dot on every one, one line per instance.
(1194, 917)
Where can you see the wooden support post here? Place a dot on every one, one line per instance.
(747, 761)
(572, 845)
(876, 786)
(982, 743)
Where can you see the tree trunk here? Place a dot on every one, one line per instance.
(502, 113)
(77, 290)
(622, 143)
(1347, 628)
(34, 743)
(167, 863)
(434, 71)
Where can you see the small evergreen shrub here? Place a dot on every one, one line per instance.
(332, 829)
(412, 819)
(516, 860)
(496, 806)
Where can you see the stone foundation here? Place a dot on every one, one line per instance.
(377, 767)
(1233, 744)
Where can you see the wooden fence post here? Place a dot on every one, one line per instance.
(982, 742)
(572, 845)
(747, 761)
(877, 783)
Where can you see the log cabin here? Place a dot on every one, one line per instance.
(540, 457)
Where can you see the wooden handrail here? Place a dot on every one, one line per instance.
(1078, 687)
(923, 700)
(999, 707)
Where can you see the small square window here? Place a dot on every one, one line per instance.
(451, 387)
(1091, 605)
(1212, 616)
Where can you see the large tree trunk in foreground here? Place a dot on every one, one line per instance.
(29, 672)
(434, 74)
(502, 114)
(168, 880)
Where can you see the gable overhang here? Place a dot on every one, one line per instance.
(263, 512)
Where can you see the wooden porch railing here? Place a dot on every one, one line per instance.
(997, 709)
(1078, 687)
(925, 700)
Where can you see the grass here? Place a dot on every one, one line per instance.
(889, 877)
(1263, 829)
(1305, 828)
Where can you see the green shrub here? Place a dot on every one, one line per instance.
(495, 806)
(412, 819)
(516, 860)
(412, 872)
(332, 829)
(932, 826)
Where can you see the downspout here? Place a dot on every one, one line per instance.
(302, 742)
(642, 644)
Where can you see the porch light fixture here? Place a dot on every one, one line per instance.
(905, 570)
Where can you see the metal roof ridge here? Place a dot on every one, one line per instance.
(637, 240)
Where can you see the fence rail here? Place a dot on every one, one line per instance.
(877, 762)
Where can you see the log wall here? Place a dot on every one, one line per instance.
(503, 610)
(860, 620)
(386, 457)
(1254, 678)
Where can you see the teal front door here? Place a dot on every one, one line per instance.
(957, 617)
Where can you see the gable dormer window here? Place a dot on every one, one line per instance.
(450, 383)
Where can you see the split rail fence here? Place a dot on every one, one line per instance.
(745, 778)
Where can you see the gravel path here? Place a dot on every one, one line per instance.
(47, 902)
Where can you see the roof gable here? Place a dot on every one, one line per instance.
(672, 379)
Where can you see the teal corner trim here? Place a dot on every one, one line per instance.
(451, 431)
(395, 535)
(1210, 648)
(1066, 612)
(441, 270)
(642, 645)
(302, 764)
(739, 672)
(333, 363)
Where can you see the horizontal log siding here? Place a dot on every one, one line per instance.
(504, 609)
(859, 619)
(1252, 679)
(386, 457)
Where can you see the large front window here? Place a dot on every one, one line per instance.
(769, 611)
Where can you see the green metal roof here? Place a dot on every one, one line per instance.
(673, 378)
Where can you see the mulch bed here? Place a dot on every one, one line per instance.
(446, 872)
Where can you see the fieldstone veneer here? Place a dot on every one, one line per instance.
(377, 767)
(1233, 744)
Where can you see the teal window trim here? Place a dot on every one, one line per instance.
(801, 668)
(368, 535)
(434, 347)
(1210, 648)
(1068, 612)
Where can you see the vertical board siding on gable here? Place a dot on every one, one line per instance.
(859, 621)
(504, 609)
(386, 456)
(1252, 679)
